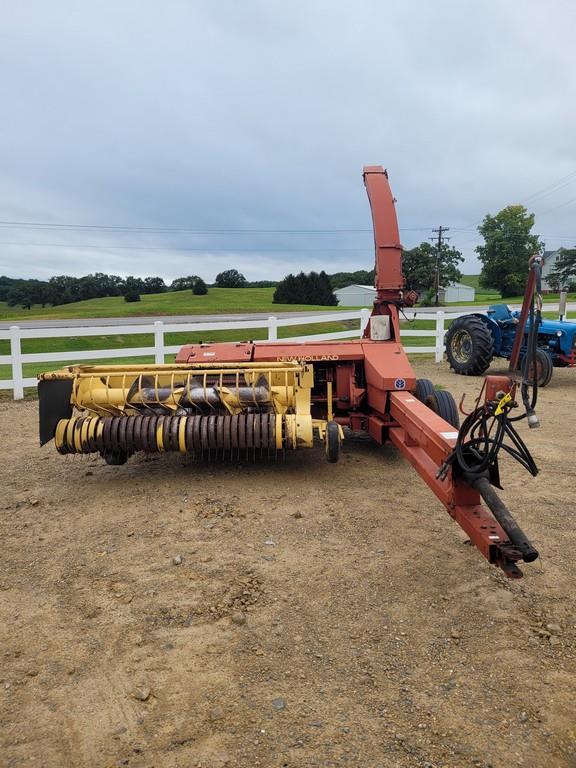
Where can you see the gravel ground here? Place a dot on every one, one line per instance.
(282, 615)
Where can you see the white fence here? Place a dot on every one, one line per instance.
(17, 359)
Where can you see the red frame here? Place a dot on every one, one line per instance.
(373, 383)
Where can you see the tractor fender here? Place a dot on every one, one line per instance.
(494, 329)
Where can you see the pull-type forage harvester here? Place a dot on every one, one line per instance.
(230, 398)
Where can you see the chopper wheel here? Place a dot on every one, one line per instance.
(424, 388)
(442, 403)
(333, 442)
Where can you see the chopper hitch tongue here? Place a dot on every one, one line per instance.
(501, 512)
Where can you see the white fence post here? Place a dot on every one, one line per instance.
(440, 336)
(562, 314)
(16, 355)
(364, 317)
(159, 342)
(272, 329)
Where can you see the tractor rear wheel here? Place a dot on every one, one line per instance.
(469, 346)
(544, 368)
(442, 403)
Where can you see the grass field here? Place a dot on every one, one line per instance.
(483, 295)
(492, 296)
(216, 301)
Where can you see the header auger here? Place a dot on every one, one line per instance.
(230, 398)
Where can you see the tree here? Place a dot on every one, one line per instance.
(419, 266)
(132, 296)
(360, 277)
(508, 244)
(66, 288)
(262, 284)
(313, 288)
(184, 283)
(133, 285)
(230, 278)
(154, 285)
(108, 285)
(200, 288)
(288, 291)
(26, 293)
(19, 296)
(6, 283)
(564, 273)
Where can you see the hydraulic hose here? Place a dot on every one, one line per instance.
(529, 400)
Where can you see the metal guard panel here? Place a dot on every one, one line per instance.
(387, 367)
(308, 352)
(216, 353)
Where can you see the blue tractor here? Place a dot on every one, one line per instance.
(473, 340)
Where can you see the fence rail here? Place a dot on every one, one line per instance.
(17, 359)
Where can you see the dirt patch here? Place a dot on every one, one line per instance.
(286, 614)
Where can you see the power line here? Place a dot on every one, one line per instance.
(182, 248)
(542, 234)
(561, 205)
(190, 230)
(233, 249)
(556, 185)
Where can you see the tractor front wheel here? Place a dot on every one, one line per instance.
(544, 368)
(469, 346)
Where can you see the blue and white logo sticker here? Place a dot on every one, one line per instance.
(400, 384)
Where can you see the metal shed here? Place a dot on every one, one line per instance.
(363, 295)
(458, 292)
(356, 296)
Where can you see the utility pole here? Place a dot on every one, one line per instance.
(440, 232)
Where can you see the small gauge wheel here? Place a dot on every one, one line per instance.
(333, 442)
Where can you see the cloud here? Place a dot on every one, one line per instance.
(260, 116)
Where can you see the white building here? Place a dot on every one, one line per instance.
(356, 296)
(550, 258)
(363, 295)
(457, 292)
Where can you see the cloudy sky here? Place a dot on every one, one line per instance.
(163, 127)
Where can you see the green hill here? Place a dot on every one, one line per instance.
(216, 301)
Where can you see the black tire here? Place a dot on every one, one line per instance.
(544, 367)
(469, 346)
(333, 442)
(424, 388)
(442, 403)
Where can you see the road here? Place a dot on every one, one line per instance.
(85, 322)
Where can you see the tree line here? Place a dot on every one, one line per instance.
(311, 288)
(65, 289)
